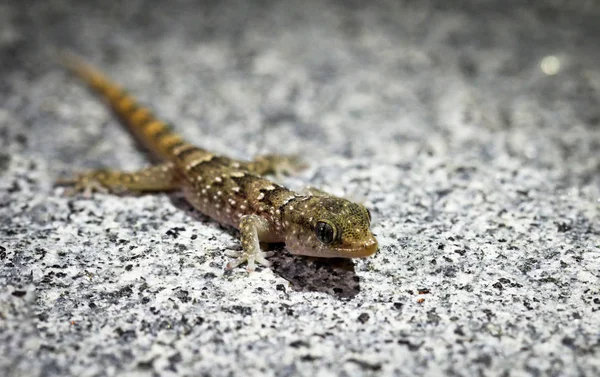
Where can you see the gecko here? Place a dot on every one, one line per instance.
(233, 192)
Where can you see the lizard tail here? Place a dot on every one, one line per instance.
(153, 133)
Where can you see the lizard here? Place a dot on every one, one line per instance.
(233, 192)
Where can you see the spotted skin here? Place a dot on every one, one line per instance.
(233, 192)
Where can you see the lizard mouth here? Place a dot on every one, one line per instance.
(350, 250)
(362, 250)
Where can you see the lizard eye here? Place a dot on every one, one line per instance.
(325, 232)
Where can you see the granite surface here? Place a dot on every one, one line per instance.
(470, 128)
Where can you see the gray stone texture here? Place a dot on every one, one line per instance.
(478, 156)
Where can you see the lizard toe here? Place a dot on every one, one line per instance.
(252, 259)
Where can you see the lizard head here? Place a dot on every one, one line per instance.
(329, 227)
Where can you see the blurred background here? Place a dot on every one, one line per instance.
(470, 129)
(401, 77)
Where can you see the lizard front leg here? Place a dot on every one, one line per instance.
(161, 177)
(313, 191)
(253, 228)
(273, 164)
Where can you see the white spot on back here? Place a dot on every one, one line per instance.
(198, 161)
(181, 148)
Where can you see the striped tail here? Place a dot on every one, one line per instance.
(154, 134)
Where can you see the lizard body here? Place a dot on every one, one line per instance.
(233, 192)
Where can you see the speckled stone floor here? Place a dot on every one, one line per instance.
(471, 130)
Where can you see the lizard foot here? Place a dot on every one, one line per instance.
(289, 165)
(278, 165)
(83, 183)
(252, 258)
